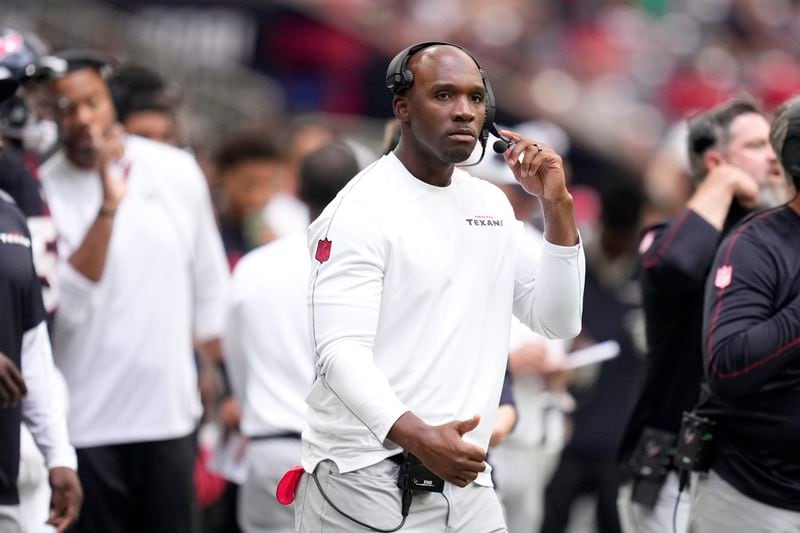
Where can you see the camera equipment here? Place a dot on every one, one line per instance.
(695, 443)
(649, 463)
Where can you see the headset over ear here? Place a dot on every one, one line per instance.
(399, 79)
(790, 153)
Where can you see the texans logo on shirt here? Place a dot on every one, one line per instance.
(483, 220)
(723, 277)
(323, 250)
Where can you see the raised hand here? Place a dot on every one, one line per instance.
(536, 167)
(112, 167)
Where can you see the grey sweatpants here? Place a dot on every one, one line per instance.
(258, 509)
(371, 496)
(637, 518)
(9, 519)
(717, 507)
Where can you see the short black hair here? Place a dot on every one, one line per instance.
(80, 58)
(135, 88)
(711, 130)
(246, 145)
(622, 201)
(324, 172)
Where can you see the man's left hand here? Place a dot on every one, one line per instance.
(536, 167)
(65, 503)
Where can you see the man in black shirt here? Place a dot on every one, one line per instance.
(751, 343)
(735, 169)
(25, 368)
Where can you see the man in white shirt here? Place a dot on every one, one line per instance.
(524, 463)
(143, 272)
(417, 267)
(268, 351)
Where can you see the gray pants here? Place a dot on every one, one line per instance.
(637, 518)
(717, 507)
(522, 472)
(258, 510)
(9, 519)
(371, 496)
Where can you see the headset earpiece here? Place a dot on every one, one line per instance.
(790, 153)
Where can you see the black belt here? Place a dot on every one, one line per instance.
(396, 459)
(284, 435)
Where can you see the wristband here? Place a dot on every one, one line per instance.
(107, 212)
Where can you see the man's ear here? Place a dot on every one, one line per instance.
(712, 159)
(400, 105)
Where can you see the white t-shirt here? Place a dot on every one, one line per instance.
(267, 347)
(124, 343)
(412, 308)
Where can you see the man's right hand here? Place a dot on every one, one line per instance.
(12, 386)
(112, 167)
(713, 197)
(742, 185)
(441, 449)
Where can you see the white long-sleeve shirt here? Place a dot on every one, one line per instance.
(267, 348)
(124, 343)
(412, 308)
(41, 412)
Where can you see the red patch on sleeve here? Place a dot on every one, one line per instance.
(724, 276)
(323, 250)
(647, 242)
(287, 486)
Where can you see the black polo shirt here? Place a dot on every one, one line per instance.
(752, 358)
(21, 309)
(674, 259)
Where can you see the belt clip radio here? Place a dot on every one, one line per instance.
(695, 444)
(414, 476)
(649, 464)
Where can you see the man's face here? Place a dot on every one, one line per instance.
(85, 114)
(248, 186)
(750, 150)
(156, 125)
(446, 103)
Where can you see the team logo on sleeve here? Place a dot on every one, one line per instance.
(723, 277)
(323, 250)
(647, 242)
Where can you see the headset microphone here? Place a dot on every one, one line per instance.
(500, 146)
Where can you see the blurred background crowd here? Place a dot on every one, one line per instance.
(250, 87)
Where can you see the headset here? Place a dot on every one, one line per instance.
(399, 79)
(790, 153)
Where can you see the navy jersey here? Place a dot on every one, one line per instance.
(752, 357)
(17, 179)
(21, 309)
